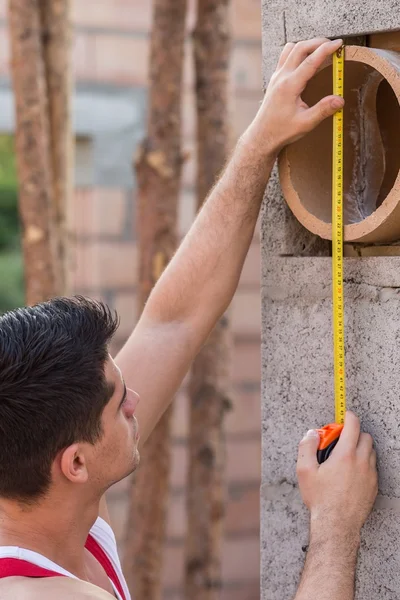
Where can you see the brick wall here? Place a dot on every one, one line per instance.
(110, 51)
(111, 46)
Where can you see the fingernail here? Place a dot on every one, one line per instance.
(311, 433)
(337, 103)
(337, 41)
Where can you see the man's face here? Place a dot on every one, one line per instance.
(116, 454)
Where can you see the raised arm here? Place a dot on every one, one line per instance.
(339, 494)
(199, 283)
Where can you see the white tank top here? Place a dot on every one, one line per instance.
(104, 536)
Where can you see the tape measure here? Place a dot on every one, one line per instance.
(329, 434)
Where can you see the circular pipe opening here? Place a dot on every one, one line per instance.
(371, 150)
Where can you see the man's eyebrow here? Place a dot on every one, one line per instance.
(123, 395)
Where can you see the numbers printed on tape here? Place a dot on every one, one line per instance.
(337, 243)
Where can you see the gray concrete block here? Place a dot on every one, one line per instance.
(273, 22)
(284, 21)
(312, 18)
(270, 59)
(297, 358)
(284, 534)
(378, 573)
(273, 35)
(297, 352)
(282, 234)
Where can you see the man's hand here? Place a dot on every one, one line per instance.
(340, 494)
(284, 117)
(343, 489)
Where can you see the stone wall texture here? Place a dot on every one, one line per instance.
(297, 362)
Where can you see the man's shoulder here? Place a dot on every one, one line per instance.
(64, 588)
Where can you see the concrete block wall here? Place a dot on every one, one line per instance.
(297, 361)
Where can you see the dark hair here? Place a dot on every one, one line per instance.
(53, 387)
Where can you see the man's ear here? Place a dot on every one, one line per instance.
(73, 464)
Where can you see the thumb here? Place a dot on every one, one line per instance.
(307, 458)
(325, 108)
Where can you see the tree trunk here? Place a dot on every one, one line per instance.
(158, 168)
(56, 40)
(209, 384)
(32, 149)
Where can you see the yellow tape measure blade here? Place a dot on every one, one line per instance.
(337, 243)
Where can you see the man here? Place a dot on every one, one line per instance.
(69, 414)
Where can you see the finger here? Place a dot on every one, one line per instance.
(285, 53)
(307, 457)
(310, 64)
(350, 435)
(365, 445)
(319, 112)
(302, 50)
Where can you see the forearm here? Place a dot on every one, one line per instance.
(330, 567)
(201, 279)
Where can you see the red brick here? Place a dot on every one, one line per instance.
(241, 559)
(243, 512)
(173, 566)
(243, 461)
(248, 590)
(246, 19)
(179, 466)
(116, 59)
(188, 116)
(120, 489)
(116, 344)
(246, 67)
(186, 211)
(251, 274)
(84, 58)
(115, 14)
(189, 66)
(98, 211)
(98, 265)
(245, 416)
(4, 51)
(247, 361)
(180, 419)
(118, 509)
(189, 166)
(246, 312)
(126, 305)
(177, 517)
(245, 109)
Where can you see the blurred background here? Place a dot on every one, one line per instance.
(110, 49)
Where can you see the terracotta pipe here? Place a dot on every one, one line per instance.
(371, 152)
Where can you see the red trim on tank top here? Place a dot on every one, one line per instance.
(15, 567)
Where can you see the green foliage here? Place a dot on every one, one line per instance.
(11, 283)
(11, 279)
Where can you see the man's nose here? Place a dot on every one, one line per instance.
(133, 401)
